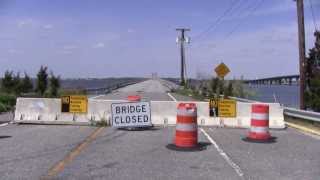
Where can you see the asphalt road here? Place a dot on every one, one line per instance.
(118, 154)
(35, 151)
(28, 151)
(156, 90)
(6, 117)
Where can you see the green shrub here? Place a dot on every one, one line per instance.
(101, 123)
(8, 100)
(3, 108)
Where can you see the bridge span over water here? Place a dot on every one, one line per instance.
(276, 80)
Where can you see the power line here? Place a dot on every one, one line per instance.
(218, 21)
(252, 10)
(313, 15)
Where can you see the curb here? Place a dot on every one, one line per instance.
(304, 129)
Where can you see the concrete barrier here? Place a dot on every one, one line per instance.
(45, 111)
(48, 111)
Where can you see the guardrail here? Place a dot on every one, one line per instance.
(306, 115)
(291, 112)
(110, 88)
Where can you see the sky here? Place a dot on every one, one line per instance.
(125, 38)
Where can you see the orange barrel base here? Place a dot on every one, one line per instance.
(259, 136)
(184, 139)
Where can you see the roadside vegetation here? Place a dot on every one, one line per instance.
(210, 88)
(13, 85)
(312, 93)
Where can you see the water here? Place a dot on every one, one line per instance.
(283, 94)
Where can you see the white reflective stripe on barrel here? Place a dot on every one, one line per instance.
(259, 129)
(189, 112)
(259, 116)
(186, 127)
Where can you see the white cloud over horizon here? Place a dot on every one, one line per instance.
(123, 44)
(99, 45)
(48, 26)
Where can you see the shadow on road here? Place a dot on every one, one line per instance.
(3, 137)
(200, 147)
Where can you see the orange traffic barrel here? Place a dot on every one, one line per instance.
(186, 126)
(134, 98)
(259, 130)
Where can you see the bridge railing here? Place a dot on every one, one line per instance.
(306, 115)
(109, 89)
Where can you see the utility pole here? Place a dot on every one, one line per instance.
(182, 39)
(302, 51)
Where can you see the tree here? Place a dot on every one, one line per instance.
(42, 80)
(7, 83)
(26, 84)
(220, 90)
(229, 90)
(17, 88)
(312, 94)
(54, 85)
(214, 84)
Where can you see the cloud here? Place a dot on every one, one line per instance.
(130, 30)
(14, 51)
(25, 22)
(69, 47)
(65, 52)
(99, 45)
(48, 26)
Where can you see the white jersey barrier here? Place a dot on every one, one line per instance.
(48, 111)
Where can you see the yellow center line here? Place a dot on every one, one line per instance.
(59, 167)
(302, 128)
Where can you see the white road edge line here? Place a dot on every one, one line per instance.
(4, 124)
(174, 99)
(94, 97)
(223, 154)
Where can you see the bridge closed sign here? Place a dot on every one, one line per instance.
(131, 114)
(227, 108)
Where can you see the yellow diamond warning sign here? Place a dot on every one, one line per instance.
(227, 108)
(74, 104)
(222, 70)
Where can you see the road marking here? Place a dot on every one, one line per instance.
(59, 167)
(304, 129)
(4, 124)
(174, 99)
(223, 154)
(95, 97)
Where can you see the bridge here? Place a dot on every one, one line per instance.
(88, 152)
(277, 80)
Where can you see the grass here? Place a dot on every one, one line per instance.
(102, 123)
(7, 102)
(314, 126)
(66, 92)
(191, 93)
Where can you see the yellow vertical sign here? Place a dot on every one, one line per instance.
(74, 104)
(227, 108)
(78, 104)
(213, 103)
